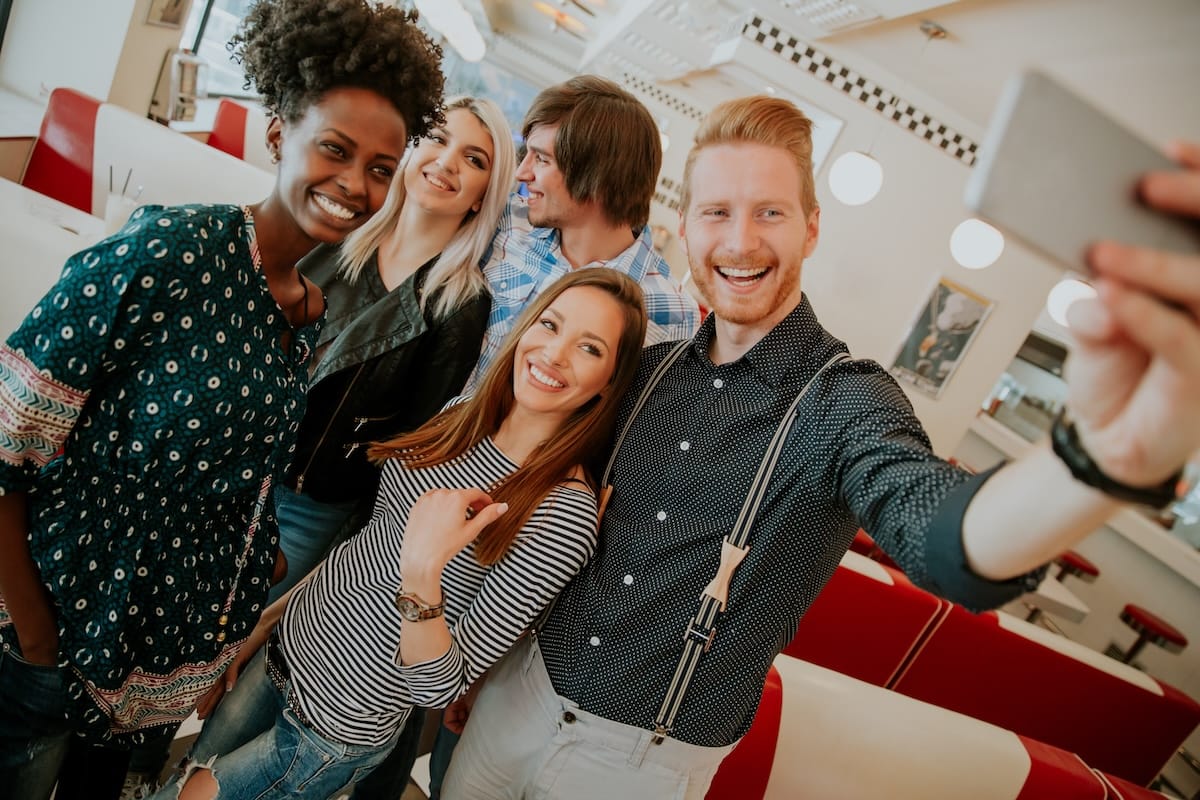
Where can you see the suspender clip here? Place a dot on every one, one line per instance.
(700, 636)
(660, 734)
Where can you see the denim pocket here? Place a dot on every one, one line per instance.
(33, 697)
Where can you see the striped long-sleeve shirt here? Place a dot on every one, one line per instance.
(341, 631)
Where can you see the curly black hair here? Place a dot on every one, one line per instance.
(294, 51)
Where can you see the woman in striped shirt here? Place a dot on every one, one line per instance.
(482, 517)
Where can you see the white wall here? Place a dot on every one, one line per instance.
(51, 43)
(103, 48)
(141, 59)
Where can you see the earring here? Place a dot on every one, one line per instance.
(274, 156)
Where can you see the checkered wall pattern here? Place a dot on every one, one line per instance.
(638, 85)
(768, 36)
(668, 193)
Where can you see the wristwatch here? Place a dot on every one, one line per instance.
(413, 608)
(1064, 439)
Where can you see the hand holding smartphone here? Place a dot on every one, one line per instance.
(1058, 174)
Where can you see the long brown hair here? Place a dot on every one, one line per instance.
(457, 429)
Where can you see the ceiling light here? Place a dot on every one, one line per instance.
(454, 22)
(1063, 295)
(855, 178)
(975, 244)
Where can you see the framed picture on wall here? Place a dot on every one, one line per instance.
(168, 13)
(945, 326)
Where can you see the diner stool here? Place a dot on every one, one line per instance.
(1150, 629)
(1069, 563)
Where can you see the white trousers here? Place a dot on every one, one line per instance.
(525, 741)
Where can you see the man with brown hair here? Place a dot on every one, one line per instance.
(651, 665)
(592, 162)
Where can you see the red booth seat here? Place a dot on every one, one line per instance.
(866, 621)
(83, 140)
(871, 623)
(1019, 676)
(61, 162)
(241, 131)
(820, 735)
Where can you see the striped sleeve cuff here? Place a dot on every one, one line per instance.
(438, 682)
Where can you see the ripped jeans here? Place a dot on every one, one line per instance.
(34, 729)
(257, 748)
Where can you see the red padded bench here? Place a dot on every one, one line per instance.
(820, 735)
(866, 621)
(1019, 676)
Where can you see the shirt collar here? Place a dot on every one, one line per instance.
(634, 261)
(792, 351)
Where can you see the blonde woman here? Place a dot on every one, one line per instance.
(407, 307)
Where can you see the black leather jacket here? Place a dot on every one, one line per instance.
(381, 369)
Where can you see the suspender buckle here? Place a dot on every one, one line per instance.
(660, 734)
(697, 635)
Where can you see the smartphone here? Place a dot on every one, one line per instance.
(1058, 174)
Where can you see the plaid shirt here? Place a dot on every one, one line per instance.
(524, 260)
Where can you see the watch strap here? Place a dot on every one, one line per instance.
(1064, 437)
(425, 610)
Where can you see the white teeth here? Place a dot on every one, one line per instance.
(438, 182)
(334, 209)
(543, 378)
(733, 272)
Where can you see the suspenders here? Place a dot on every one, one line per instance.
(698, 636)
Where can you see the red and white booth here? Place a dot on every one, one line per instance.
(821, 735)
(83, 141)
(873, 624)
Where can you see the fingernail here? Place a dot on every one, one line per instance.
(503, 507)
(1088, 317)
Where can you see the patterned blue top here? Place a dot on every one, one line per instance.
(145, 404)
(524, 260)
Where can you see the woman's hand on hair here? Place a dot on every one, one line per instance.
(441, 523)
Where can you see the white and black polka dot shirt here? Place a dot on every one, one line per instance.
(856, 455)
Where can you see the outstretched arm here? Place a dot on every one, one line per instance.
(1133, 379)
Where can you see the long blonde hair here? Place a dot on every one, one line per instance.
(582, 437)
(456, 276)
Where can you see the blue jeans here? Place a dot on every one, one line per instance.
(34, 728)
(307, 529)
(257, 748)
(388, 780)
(439, 760)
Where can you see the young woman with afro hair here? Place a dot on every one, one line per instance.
(153, 396)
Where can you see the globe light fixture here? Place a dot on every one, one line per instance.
(855, 178)
(975, 244)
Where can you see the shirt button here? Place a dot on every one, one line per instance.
(685, 445)
(628, 579)
(718, 383)
(594, 641)
(568, 717)
(503, 284)
(660, 516)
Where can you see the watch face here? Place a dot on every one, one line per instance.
(409, 608)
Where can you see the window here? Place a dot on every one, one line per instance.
(512, 94)
(210, 25)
